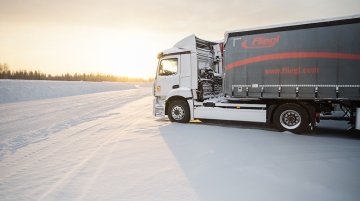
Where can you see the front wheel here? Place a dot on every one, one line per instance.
(291, 117)
(179, 111)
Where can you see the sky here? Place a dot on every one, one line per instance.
(123, 37)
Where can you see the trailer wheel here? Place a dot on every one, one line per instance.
(179, 111)
(291, 117)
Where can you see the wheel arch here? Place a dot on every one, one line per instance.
(171, 99)
(310, 108)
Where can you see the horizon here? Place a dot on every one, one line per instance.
(123, 38)
(19, 70)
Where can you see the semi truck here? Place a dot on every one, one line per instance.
(290, 76)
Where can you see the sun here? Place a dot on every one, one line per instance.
(126, 54)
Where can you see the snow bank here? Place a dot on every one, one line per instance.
(24, 90)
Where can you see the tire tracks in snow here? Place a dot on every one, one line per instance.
(44, 149)
(66, 177)
(16, 167)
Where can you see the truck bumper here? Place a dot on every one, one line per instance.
(158, 107)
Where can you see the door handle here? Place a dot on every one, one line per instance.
(175, 86)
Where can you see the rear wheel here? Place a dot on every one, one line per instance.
(291, 117)
(179, 111)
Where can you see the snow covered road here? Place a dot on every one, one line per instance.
(107, 146)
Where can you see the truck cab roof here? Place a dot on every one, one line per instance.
(189, 44)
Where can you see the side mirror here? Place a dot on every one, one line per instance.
(160, 55)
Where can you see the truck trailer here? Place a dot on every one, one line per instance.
(290, 76)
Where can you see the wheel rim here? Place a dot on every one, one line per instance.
(290, 119)
(178, 112)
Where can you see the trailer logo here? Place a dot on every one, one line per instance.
(292, 70)
(261, 42)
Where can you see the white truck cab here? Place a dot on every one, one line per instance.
(189, 85)
(177, 77)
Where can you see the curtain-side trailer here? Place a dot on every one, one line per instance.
(290, 76)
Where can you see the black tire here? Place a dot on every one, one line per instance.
(179, 111)
(291, 117)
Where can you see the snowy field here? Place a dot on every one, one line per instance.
(108, 146)
(24, 90)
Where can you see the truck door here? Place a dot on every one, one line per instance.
(167, 76)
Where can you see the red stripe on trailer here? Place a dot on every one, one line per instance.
(292, 55)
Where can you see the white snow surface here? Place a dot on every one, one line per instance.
(24, 90)
(108, 146)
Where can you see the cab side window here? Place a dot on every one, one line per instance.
(168, 67)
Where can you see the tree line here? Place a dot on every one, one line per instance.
(7, 73)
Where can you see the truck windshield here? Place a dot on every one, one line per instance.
(168, 67)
